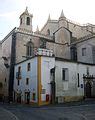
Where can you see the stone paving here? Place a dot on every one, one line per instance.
(83, 110)
(7, 115)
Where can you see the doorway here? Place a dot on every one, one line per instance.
(88, 90)
(52, 72)
(27, 97)
(19, 98)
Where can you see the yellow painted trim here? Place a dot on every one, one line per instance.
(39, 80)
(40, 102)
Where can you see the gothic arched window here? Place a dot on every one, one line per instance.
(48, 32)
(28, 21)
(20, 21)
(29, 49)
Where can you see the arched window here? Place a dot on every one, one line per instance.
(29, 49)
(20, 21)
(48, 32)
(28, 21)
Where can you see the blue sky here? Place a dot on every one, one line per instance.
(81, 11)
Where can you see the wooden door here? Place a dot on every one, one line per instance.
(88, 90)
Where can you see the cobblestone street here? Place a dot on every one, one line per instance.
(57, 112)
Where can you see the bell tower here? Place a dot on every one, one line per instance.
(26, 21)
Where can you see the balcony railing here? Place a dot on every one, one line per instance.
(18, 75)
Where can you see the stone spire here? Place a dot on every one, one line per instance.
(62, 20)
(37, 29)
(49, 17)
(62, 15)
(26, 10)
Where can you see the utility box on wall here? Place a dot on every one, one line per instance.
(60, 99)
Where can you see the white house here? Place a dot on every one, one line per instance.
(32, 80)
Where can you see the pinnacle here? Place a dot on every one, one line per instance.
(62, 14)
(26, 10)
(37, 30)
(49, 17)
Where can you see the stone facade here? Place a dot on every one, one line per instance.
(3, 76)
(21, 44)
(77, 30)
(89, 46)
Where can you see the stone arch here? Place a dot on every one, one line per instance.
(28, 20)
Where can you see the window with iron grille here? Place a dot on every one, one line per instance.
(78, 79)
(83, 51)
(18, 74)
(28, 66)
(65, 75)
(18, 82)
(27, 81)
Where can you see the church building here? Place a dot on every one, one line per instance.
(72, 46)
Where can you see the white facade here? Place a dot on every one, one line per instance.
(39, 80)
(46, 65)
(73, 87)
(32, 75)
